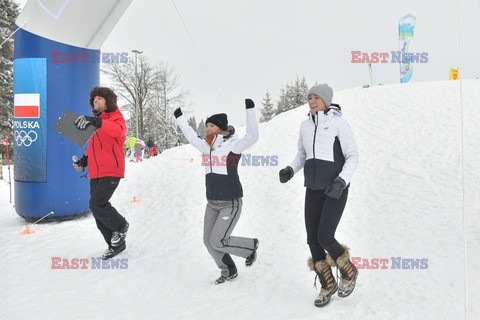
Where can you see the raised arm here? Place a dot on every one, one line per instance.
(251, 135)
(188, 132)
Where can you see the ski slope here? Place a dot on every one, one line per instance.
(407, 201)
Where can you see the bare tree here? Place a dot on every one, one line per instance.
(156, 93)
(167, 96)
(135, 82)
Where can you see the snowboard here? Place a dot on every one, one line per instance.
(67, 128)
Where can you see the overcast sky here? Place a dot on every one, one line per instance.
(243, 48)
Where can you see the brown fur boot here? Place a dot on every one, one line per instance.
(327, 280)
(349, 274)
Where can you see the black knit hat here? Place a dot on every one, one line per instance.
(107, 94)
(220, 120)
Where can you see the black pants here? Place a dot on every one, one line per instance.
(107, 217)
(322, 215)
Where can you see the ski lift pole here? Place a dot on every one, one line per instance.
(371, 75)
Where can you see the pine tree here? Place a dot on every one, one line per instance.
(267, 112)
(8, 15)
(301, 90)
(282, 103)
(193, 123)
(292, 95)
(201, 132)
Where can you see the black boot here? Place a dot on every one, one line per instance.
(113, 251)
(251, 258)
(118, 236)
(232, 270)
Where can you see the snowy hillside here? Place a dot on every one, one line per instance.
(406, 202)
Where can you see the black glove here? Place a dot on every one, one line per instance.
(335, 190)
(286, 174)
(249, 104)
(83, 122)
(79, 165)
(177, 113)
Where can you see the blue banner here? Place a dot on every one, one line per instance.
(406, 25)
(30, 119)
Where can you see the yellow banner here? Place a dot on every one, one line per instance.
(453, 74)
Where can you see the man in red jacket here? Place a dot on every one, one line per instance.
(106, 162)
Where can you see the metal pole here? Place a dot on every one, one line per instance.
(371, 76)
(51, 212)
(136, 93)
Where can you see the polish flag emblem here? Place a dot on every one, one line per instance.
(26, 105)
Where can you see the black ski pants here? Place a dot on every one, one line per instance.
(107, 217)
(322, 215)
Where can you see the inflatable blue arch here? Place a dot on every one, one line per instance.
(56, 64)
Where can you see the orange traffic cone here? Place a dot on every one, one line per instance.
(27, 230)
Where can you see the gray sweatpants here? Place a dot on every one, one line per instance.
(220, 220)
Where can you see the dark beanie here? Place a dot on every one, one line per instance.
(220, 120)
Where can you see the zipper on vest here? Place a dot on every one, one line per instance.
(211, 160)
(213, 142)
(314, 138)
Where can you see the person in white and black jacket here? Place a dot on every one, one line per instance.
(221, 151)
(328, 154)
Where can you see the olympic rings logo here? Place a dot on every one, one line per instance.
(24, 138)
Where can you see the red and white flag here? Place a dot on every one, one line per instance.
(26, 105)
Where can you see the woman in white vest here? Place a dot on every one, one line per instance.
(328, 154)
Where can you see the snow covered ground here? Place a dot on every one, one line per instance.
(407, 201)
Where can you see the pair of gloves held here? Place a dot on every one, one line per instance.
(249, 104)
(334, 191)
